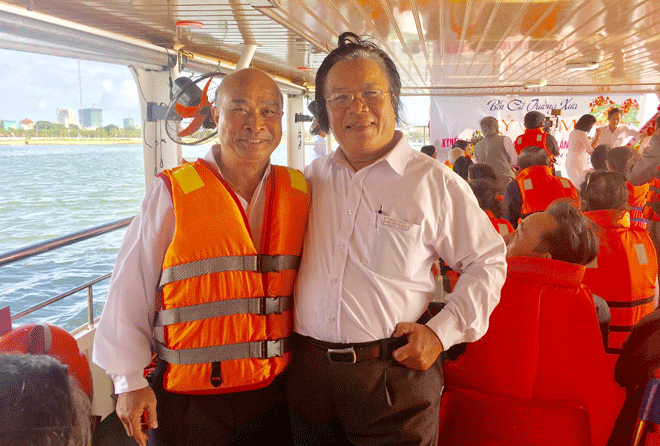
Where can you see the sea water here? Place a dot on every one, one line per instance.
(48, 191)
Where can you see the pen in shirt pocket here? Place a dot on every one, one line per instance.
(380, 211)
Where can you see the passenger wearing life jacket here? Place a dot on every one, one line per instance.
(205, 275)
(626, 268)
(647, 170)
(535, 187)
(490, 202)
(535, 136)
(542, 361)
(618, 160)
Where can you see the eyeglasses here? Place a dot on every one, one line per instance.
(370, 98)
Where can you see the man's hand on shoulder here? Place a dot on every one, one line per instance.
(423, 346)
(131, 405)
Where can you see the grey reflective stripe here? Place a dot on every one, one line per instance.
(253, 305)
(257, 350)
(260, 263)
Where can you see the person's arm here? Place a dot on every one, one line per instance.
(584, 141)
(643, 170)
(596, 140)
(122, 343)
(478, 253)
(510, 150)
(551, 142)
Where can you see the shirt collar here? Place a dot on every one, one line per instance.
(397, 158)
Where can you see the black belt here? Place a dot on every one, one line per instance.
(352, 353)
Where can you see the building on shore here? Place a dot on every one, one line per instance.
(26, 124)
(91, 118)
(129, 123)
(66, 116)
(6, 125)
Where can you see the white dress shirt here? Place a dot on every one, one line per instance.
(122, 343)
(620, 137)
(371, 239)
(577, 159)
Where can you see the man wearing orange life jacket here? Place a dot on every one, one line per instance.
(626, 267)
(205, 274)
(535, 136)
(535, 187)
(618, 160)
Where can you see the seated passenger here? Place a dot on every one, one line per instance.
(599, 157)
(485, 192)
(543, 345)
(626, 268)
(639, 359)
(482, 172)
(429, 150)
(535, 187)
(40, 403)
(619, 159)
(461, 166)
(453, 155)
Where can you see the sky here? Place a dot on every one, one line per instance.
(34, 85)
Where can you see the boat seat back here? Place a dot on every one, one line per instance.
(543, 344)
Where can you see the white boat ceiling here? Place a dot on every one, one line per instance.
(445, 47)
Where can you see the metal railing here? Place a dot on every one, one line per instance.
(59, 242)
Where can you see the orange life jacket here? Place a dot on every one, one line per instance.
(653, 198)
(226, 309)
(533, 137)
(637, 201)
(502, 226)
(624, 273)
(539, 188)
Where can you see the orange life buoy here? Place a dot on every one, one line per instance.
(46, 339)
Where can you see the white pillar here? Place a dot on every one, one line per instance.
(295, 132)
(159, 151)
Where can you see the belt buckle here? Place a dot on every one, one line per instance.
(343, 355)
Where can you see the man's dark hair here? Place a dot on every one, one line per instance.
(461, 166)
(533, 120)
(618, 159)
(353, 47)
(486, 195)
(481, 171)
(574, 239)
(428, 150)
(612, 111)
(585, 123)
(533, 156)
(461, 144)
(603, 189)
(599, 156)
(657, 122)
(40, 404)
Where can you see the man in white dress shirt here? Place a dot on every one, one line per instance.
(616, 135)
(248, 112)
(366, 369)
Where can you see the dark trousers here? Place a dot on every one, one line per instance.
(371, 402)
(253, 417)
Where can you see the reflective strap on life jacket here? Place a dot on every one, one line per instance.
(634, 303)
(227, 352)
(261, 306)
(260, 263)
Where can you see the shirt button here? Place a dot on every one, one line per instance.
(350, 212)
(335, 281)
(342, 245)
(332, 319)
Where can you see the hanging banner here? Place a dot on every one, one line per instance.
(455, 118)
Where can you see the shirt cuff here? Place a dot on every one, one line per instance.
(447, 328)
(130, 382)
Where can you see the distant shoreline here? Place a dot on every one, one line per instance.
(69, 141)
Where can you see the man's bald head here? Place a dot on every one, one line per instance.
(244, 78)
